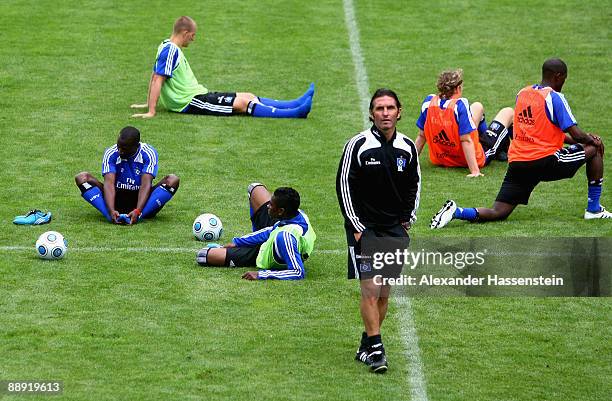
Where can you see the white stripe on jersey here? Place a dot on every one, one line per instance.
(549, 106)
(275, 246)
(106, 159)
(140, 157)
(417, 198)
(152, 153)
(169, 61)
(297, 272)
(150, 168)
(153, 157)
(279, 273)
(469, 112)
(567, 108)
(289, 244)
(426, 104)
(551, 110)
(168, 67)
(344, 186)
(257, 232)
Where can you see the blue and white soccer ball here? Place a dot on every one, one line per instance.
(207, 227)
(51, 245)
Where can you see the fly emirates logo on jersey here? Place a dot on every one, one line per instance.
(372, 162)
(129, 185)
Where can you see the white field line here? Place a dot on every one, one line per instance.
(85, 249)
(418, 387)
(139, 249)
(21, 248)
(361, 76)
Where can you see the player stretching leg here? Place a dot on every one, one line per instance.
(542, 117)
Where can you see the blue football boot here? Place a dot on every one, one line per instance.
(34, 218)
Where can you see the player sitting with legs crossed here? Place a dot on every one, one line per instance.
(282, 238)
(541, 118)
(128, 193)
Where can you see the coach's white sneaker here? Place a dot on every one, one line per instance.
(602, 214)
(444, 215)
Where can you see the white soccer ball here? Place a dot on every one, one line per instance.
(51, 245)
(207, 227)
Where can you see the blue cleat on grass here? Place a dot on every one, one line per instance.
(33, 218)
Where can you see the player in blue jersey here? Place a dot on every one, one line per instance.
(128, 193)
(282, 238)
(543, 123)
(173, 82)
(457, 132)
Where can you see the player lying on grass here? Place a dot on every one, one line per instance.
(542, 117)
(448, 124)
(174, 83)
(128, 192)
(282, 238)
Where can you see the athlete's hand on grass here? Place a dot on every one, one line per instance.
(230, 245)
(144, 115)
(406, 225)
(473, 175)
(250, 276)
(139, 106)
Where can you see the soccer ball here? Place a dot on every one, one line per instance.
(51, 245)
(207, 227)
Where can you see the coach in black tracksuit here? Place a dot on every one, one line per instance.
(378, 185)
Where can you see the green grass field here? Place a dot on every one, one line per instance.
(116, 323)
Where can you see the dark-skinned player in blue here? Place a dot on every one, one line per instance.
(128, 194)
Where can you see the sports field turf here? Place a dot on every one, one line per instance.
(128, 315)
